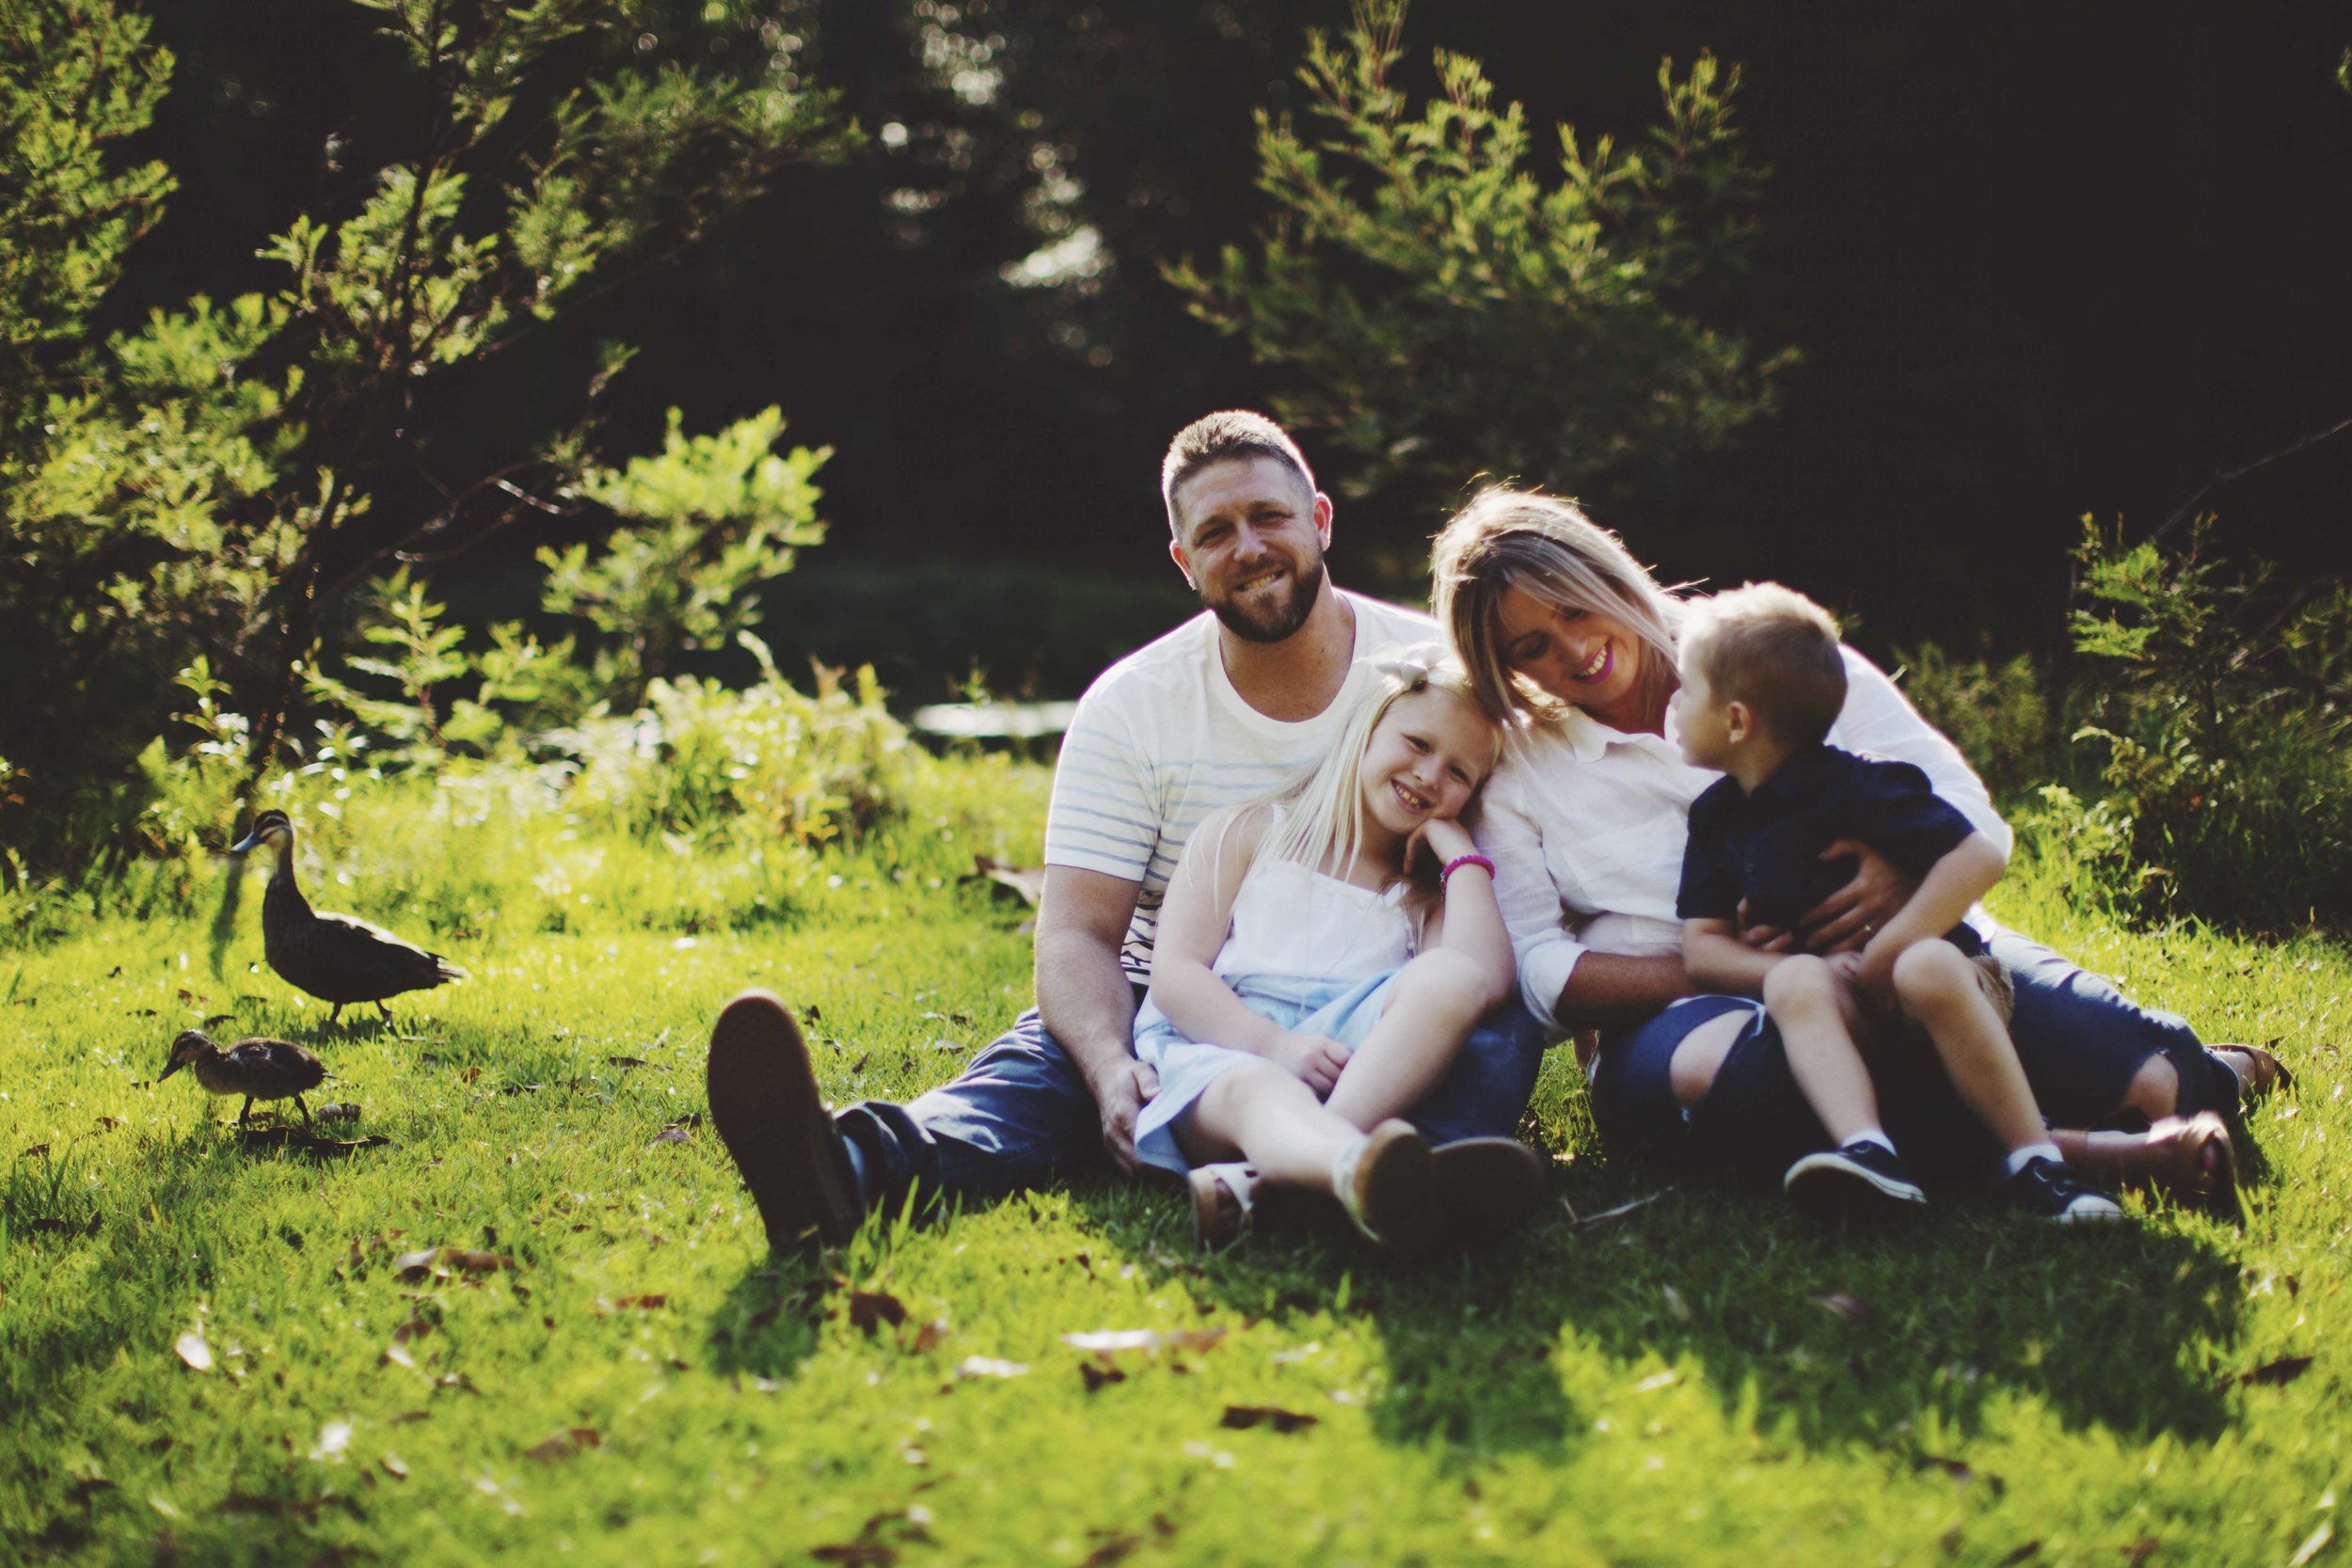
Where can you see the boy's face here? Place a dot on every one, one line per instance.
(1702, 722)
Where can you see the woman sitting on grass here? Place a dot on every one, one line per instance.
(1321, 956)
(1587, 818)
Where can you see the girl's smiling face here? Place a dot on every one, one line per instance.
(1586, 659)
(1424, 761)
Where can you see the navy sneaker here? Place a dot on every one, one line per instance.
(2051, 1190)
(1863, 1178)
(766, 1108)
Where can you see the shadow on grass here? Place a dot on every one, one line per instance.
(1833, 1338)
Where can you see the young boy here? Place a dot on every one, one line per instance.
(1762, 681)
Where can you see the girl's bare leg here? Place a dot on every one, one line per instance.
(1263, 1113)
(1937, 987)
(1803, 996)
(1436, 1001)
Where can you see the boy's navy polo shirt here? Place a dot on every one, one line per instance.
(1766, 846)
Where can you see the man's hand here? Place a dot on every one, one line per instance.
(1119, 1095)
(1317, 1060)
(1846, 920)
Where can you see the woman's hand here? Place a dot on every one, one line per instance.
(1846, 920)
(1317, 1060)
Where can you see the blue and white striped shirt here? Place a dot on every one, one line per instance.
(1161, 739)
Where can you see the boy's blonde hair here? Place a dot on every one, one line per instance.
(1773, 649)
(1547, 549)
(1321, 815)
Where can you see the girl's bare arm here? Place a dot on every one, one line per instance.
(1194, 919)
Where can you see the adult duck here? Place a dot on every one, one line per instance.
(257, 1069)
(338, 958)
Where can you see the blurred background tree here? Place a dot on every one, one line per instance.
(216, 479)
(1444, 307)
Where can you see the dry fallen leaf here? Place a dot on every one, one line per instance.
(645, 1303)
(929, 1335)
(1027, 881)
(334, 1437)
(989, 1365)
(2285, 1369)
(1240, 1416)
(470, 1075)
(565, 1444)
(869, 1310)
(1110, 1546)
(2138, 1551)
(1096, 1375)
(858, 1554)
(195, 1351)
(392, 1467)
(1839, 1304)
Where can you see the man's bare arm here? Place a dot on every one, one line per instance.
(1086, 998)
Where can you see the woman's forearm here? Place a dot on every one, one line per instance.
(1603, 986)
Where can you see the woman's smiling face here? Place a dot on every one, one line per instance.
(1584, 657)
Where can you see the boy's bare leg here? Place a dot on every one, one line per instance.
(1936, 986)
(1804, 998)
(1436, 1002)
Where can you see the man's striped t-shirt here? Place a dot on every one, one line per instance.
(1161, 739)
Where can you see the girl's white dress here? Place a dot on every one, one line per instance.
(1309, 951)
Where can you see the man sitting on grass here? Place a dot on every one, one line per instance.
(1226, 708)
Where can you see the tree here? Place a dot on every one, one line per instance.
(219, 480)
(1443, 309)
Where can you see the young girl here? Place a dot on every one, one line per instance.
(1321, 958)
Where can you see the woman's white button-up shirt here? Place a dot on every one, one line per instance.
(1586, 824)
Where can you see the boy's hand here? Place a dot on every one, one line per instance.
(1764, 938)
(1315, 1059)
(1849, 918)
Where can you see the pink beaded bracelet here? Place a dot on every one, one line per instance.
(1460, 861)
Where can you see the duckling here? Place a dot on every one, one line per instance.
(257, 1069)
(336, 958)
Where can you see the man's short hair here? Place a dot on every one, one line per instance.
(1234, 433)
(1776, 650)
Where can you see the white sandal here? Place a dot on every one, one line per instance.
(1222, 1197)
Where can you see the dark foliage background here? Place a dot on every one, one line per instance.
(2041, 261)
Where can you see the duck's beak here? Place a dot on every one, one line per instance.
(169, 1070)
(247, 843)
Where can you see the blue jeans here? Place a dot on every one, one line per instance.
(2080, 1040)
(1021, 1111)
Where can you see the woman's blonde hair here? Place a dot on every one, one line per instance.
(1319, 819)
(1548, 549)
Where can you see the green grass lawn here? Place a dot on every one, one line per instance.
(1704, 1378)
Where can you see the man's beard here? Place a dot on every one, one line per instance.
(1281, 619)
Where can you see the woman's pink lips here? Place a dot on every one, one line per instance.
(1608, 662)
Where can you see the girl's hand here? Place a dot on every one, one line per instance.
(1447, 840)
(1317, 1060)
(1849, 918)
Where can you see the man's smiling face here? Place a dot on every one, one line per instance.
(1250, 540)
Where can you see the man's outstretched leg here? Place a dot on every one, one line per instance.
(766, 1108)
(1017, 1114)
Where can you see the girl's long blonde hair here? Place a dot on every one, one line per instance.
(1319, 819)
(1548, 549)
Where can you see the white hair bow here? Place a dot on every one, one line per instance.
(1411, 665)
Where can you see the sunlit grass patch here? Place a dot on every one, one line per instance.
(606, 1365)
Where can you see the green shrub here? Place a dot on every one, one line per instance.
(1997, 714)
(2216, 710)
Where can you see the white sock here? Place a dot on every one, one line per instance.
(1874, 1136)
(2044, 1151)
